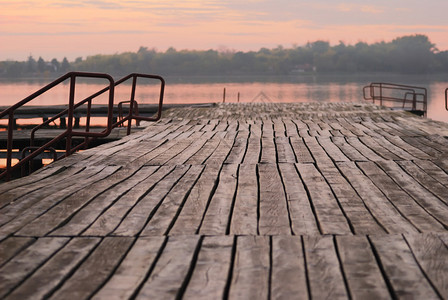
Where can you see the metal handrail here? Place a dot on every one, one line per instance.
(132, 102)
(69, 132)
(377, 91)
(446, 98)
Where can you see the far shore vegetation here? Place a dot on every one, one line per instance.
(413, 54)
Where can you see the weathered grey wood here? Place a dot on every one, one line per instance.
(45, 202)
(268, 151)
(382, 150)
(112, 217)
(317, 151)
(427, 200)
(190, 217)
(330, 217)
(244, 218)
(433, 170)
(70, 205)
(95, 269)
(137, 217)
(301, 151)
(288, 269)
(89, 213)
(274, 216)
(401, 269)
(347, 149)
(432, 257)
(253, 149)
(23, 264)
(360, 218)
(324, 270)
(11, 246)
(165, 215)
(207, 149)
(331, 149)
(285, 153)
(380, 207)
(417, 143)
(363, 149)
(438, 189)
(250, 276)
(216, 219)
(132, 270)
(223, 149)
(237, 152)
(303, 220)
(54, 271)
(171, 268)
(361, 270)
(211, 271)
(401, 200)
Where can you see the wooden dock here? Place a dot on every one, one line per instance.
(238, 201)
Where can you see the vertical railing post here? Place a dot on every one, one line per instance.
(381, 94)
(9, 145)
(131, 103)
(71, 105)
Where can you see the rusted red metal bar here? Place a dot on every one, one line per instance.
(446, 98)
(68, 133)
(391, 92)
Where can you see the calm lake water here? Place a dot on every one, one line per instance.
(307, 88)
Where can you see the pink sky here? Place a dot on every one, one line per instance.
(54, 29)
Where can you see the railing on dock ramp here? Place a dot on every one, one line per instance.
(446, 98)
(382, 92)
(69, 133)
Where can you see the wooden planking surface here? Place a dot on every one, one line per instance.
(238, 201)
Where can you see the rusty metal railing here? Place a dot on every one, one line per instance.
(404, 94)
(133, 105)
(69, 133)
(446, 98)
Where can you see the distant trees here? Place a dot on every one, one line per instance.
(407, 54)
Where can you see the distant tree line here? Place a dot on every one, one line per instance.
(407, 54)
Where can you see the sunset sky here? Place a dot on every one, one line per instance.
(58, 28)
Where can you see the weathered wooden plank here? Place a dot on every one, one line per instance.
(217, 216)
(285, 153)
(347, 149)
(47, 201)
(303, 220)
(324, 270)
(376, 145)
(417, 143)
(250, 278)
(207, 149)
(184, 155)
(363, 149)
(11, 246)
(426, 199)
(432, 256)
(400, 199)
(222, 151)
(112, 217)
(171, 269)
(331, 149)
(237, 152)
(438, 189)
(132, 270)
(380, 207)
(23, 264)
(190, 217)
(317, 151)
(53, 272)
(70, 205)
(209, 278)
(89, 213)
(361, 270)
(360, 218)
(95, 270)
(268, 151)
(253, 149)
(301, 151)
(137, 217)
(14, 194)
(433, 170)
(165, 215)
(273, 211)
(244, 218)
(288, 269)
(330, 217)
(401, 269)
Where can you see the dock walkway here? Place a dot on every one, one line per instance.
(238, 201)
